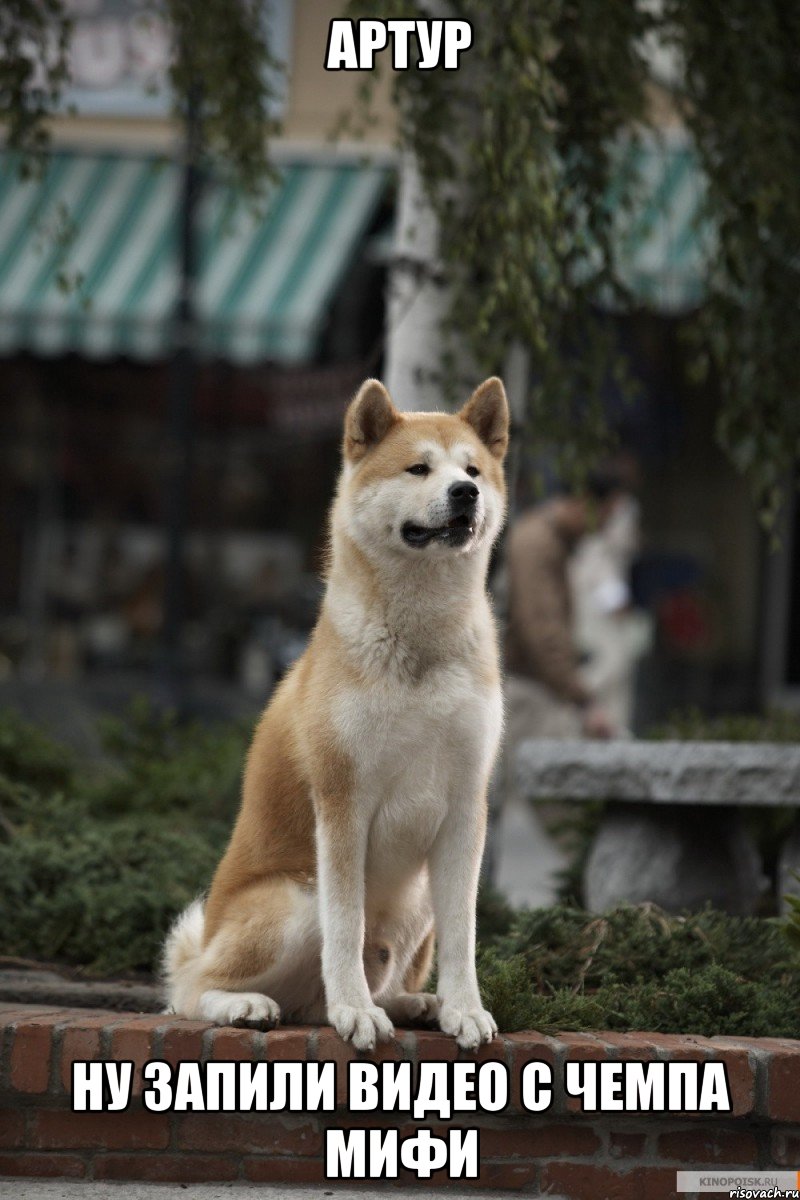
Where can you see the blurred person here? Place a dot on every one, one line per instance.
(611, 634)
(547, 695)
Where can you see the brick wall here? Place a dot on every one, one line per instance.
(560, 1153)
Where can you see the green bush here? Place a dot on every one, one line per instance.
(95, 862)
(692, 725)
(638, 968)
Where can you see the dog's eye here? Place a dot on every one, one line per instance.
(419, 469)
(472, 471)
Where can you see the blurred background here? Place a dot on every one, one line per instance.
(175, 359)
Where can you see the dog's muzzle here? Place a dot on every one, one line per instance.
(462, 498)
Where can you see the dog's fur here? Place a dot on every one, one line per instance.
(363, 812)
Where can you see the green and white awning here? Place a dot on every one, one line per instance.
(663, 245)
(88, 257)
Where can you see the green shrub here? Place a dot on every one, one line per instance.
(692, 725)
(95, 862)
(160, 765)
(30, 756)
(638, 968)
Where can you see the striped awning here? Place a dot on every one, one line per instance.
(88, 257)
(663, 245)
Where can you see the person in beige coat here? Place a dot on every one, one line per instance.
(546, 692)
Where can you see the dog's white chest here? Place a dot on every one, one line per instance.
(415, 751)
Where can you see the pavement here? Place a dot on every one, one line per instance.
(57, 1189)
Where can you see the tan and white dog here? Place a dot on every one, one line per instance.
(364, 801)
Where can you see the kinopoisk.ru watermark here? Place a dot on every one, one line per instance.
(761, 1185)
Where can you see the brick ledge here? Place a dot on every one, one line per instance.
(581, 1156)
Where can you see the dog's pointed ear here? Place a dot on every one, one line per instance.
(369, 418)
(487, 412)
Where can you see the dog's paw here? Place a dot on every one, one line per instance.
(469, 1026)
(361, 1026)
(413, 1006)
(250, 1009)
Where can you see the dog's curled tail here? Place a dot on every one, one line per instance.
(182, 950)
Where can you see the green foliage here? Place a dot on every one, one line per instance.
(161, 765)
(692, 725)
(100, 894)
(742, 93)
(516, 155)
(516, 151)
(96, 861)
(27, 754)
(637, 968)
(792, 923)
(223, 60)
(34, 36)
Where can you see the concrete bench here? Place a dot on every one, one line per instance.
(672, 832)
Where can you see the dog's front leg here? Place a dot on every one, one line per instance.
(341, 856)
(454, 866)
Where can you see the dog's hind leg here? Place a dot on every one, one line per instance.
(409, 1004)
(261, 959)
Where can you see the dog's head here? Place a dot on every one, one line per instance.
(424, 484)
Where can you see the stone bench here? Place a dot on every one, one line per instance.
(672, 832)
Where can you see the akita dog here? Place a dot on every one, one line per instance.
(364, 799)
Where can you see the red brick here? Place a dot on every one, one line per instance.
(80, 1042)
(684, 1046)
(331, 1048)
(659, 1183)
(61, 1129)
(573, 1140)
(31, 1053)
(709, 1147)
(287, 1045)
(12, 1128)
(784, 1084)
(525, 1048)
(284, 1170)
(785, 1147)
(183, 1042)
(581, 1181)
(741, 1074)
(133, 1041)
(493, 1051)
(166, 1168)
(739, 1067)
(582, 1045)
(631, 1047)
(10, 1012)
(432, 1046)
(626, 1145)
(238, 1045)
(511, 1177)
(578, 1047)
(222, 1132)
(51, 1166)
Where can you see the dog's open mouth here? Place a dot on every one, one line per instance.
(456, 532)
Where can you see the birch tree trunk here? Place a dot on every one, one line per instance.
(417, 299)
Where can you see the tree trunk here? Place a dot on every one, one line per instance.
(417, 299)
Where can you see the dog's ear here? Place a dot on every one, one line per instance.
(487, 412)
(369, 418)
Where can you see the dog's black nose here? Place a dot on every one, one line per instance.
(462, 494)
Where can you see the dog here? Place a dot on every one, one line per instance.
(363, 812)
